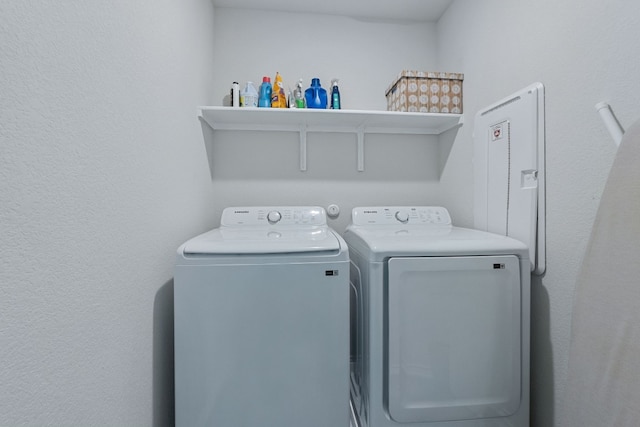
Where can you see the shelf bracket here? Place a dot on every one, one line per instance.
(303, 148)
(360, 148)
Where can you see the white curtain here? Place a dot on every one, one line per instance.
(603, 387)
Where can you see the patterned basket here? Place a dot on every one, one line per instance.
(426, 92)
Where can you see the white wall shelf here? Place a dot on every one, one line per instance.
(343, 121)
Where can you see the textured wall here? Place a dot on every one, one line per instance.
(584, 52)
(103, 171)
(99, 144)
(366, 55)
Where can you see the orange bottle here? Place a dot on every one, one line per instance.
(278, 96)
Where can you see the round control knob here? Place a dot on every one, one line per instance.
(273, 217)
(333, 211)
(402, 216)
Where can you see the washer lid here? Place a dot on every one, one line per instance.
(263, 240)
(267, 230)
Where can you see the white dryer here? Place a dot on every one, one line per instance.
(440, 322)
(261, 314)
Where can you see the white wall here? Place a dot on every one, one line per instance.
(102, 177)
(263, 168)
(364, 55)
(584, 52)
(103, 168)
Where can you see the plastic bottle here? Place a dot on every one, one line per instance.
(278, 96)
(235, 94)
(316, 95)
(298, 96)
(292, 99)
(249, 96)
(335, 95)
(264, 100)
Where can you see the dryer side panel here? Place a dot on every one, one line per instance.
(453, 345)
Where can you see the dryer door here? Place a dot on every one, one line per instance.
(453, 346)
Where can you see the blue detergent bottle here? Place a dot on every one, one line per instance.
(264, 100)
(316, 95)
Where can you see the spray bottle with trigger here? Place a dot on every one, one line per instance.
(335, 95)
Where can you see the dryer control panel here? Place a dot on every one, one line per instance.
(393, 215)
(294, 216)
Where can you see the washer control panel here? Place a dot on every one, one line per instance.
(394, 215)
(273, 215)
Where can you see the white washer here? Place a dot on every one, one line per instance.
(440, 321)
(261, 309)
